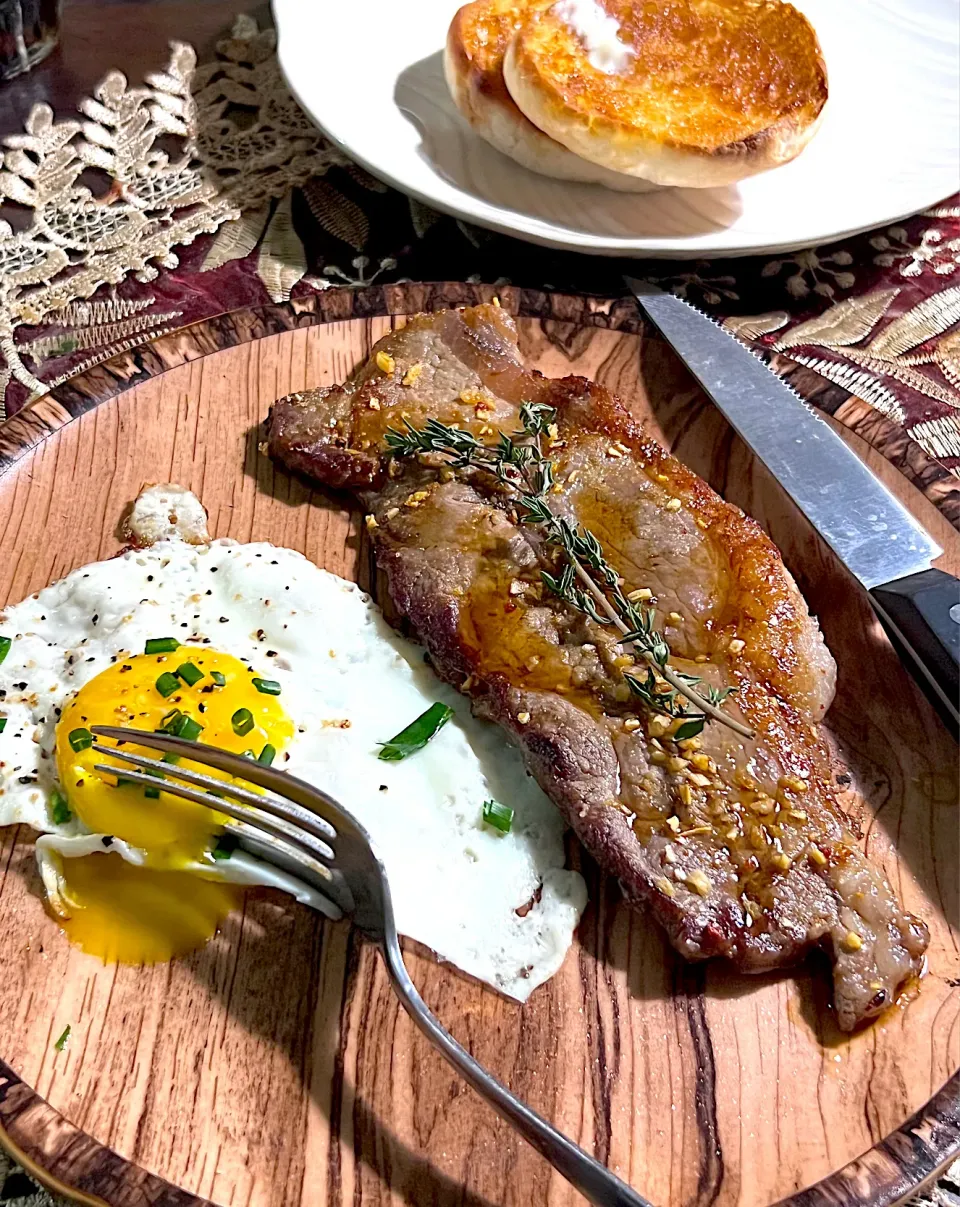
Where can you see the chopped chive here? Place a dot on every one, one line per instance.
(227, 843)
(417, 734)
(180, 725)
(167, 684)
(161, 645)
(242, 722)
(3, 724)
(188, 729)
(689, 729)
(59, 809)
(168, 722)
(248, 754)
(152, 793)
(170, 758)
(218, 677)
(500, 817)
(189, 673)
(269, 687)
(267, 755)
(64, 1036)
(5, 644)
(80, 739)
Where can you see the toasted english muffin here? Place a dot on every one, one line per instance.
(691, 92)
(476, 42)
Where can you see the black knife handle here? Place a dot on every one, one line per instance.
(923, 612)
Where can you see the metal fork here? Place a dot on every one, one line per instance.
(327, 847)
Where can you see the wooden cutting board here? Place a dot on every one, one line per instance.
(275, 1068)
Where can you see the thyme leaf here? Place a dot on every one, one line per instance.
(587, 581)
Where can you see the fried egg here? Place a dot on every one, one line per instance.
(253, 648)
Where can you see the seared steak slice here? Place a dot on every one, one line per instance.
(736, 845)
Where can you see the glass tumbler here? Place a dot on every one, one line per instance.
(29, 30)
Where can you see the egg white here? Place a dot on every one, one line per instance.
(348, 683)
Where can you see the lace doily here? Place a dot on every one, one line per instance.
(142, 171)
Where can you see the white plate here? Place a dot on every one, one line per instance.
(370, 74)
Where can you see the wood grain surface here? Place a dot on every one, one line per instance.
(275, 1067)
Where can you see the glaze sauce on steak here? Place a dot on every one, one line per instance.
(737, 846)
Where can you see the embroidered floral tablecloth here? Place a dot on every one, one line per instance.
(207, 189)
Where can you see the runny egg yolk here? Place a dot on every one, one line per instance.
(137, 915)
(144, 914)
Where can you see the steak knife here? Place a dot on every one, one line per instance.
(871, 532)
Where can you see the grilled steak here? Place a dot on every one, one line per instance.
(736, 845)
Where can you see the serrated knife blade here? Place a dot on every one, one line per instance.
(870, 530)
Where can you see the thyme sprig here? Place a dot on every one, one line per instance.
(587, 581)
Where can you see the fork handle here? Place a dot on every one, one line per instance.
(592, 1179)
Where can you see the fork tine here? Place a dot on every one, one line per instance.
(314, 826)
(314, 800)
(239, 813)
